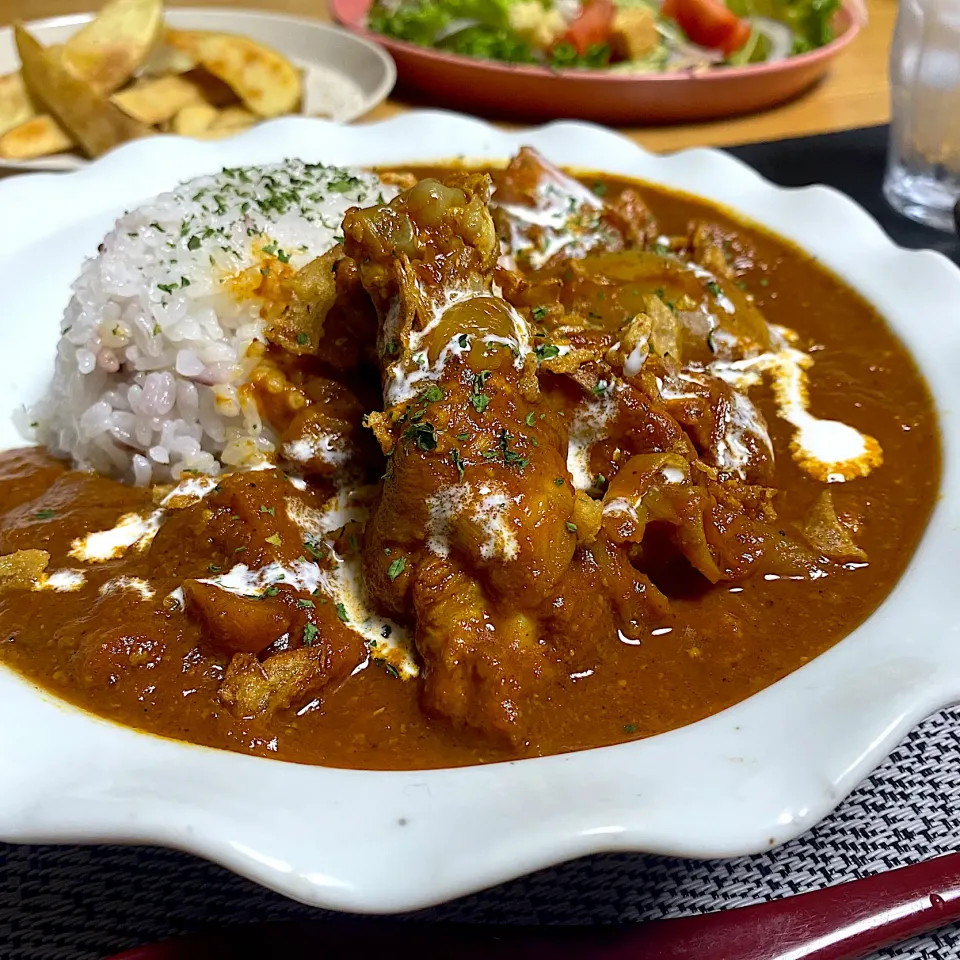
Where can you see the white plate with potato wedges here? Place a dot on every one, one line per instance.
(74, 87)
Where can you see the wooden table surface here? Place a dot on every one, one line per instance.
(854, 94)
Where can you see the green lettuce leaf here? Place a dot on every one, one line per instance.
(489, 43)
(810, 20)
(420, 21)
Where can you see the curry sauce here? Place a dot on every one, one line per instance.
(120, 647)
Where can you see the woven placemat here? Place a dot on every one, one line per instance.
(81, 903)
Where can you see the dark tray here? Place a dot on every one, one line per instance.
(852, 161)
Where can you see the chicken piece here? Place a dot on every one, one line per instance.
(659, 489)
(478, 666)
(327, 436)
(722, 250)
(312, 292)
(727, 429)
(599, 595)
(724, 530)
(543, 215)
(287, 680)
(322, 311)
(634, 34)
(476, 474)
(707, 248)
(610, 421)
(824, 531)
(715, 319)
(626, 444)
(473, 465)
(245, 520)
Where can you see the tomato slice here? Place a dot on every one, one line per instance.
(592, 26)
(708, 23)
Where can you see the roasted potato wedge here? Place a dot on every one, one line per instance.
(153, 102)
(164, 60)
(108, 51)
(95, 122)
(228, 122)
(15, 105)
(194, 120)
(39, 136)
(234, 118)
(266, 82)
(213, 89)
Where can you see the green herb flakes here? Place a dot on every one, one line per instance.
(478, 398)
(571, 526)
(305, 604)
(342, 613)
(310, 632)
(424, 435)
(511, 458)
(275, 540)
(45, 514)
(396, 568)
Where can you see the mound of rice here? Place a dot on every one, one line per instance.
(154, 347)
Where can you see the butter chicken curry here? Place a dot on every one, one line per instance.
(559, 464)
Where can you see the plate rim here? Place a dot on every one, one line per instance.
(754, 776)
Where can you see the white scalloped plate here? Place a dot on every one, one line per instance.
(751, 777)
(344, 75)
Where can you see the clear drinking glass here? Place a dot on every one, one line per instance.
(923, 161)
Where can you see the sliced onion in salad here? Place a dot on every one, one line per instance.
(455, 26)
(779, 38)
(681, 53)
